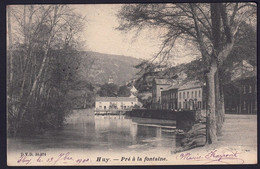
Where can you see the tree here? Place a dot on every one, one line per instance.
(211, 28)
(147, 72)
(124, 91)
(82, 95)
(244, 48)
(108, 90)
(147, 102)
(45, 65)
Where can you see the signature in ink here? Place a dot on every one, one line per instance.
(225, 156)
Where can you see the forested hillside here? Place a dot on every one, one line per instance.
(120, 68)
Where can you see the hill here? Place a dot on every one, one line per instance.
(98, 67)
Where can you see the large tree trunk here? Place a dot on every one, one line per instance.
(211, 107)
(220, 106)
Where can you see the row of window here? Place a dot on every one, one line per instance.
(184, 95)
(183, 105)
(245, 107)
(169, 106)
(190, 105)
(193, 94)
(114, 107)
(115, 103)
(169, 96)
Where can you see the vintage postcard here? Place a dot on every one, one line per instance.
(131, 84)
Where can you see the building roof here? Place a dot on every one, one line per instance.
(163, 81)
(133, 89)
(191, 84)
(246, 75)
(173, 86)
(115, 99)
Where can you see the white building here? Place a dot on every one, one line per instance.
(115, 103)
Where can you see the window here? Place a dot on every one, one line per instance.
(132, 102)
(199, 93)
(105, 107)
(250, 89)
(192, 94)
(244, 105)
(195, 94)
(199, 105)
(184, 105)
(183, 95)
(188, 94)
(244, 88)
(180, 95)
(179, 105)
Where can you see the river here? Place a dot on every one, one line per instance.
(109, 132)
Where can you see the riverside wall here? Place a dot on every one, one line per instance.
(185, 119)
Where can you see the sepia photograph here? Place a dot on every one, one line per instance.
(131, 84)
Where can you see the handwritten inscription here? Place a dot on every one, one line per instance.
(62, 158)
(213, 156)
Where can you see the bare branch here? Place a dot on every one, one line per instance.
(205, 54)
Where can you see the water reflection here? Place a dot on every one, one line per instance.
(104, 133)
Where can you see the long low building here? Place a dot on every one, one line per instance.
(115, 103)
(240, 91)
(240, 95)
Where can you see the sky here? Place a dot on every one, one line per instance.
(101, 36)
